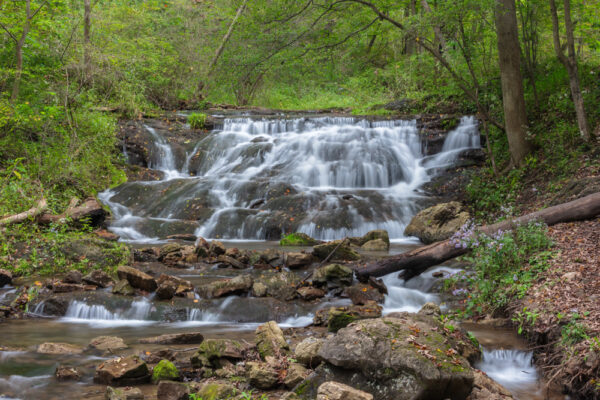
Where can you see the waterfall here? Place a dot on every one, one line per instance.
(137, 314)
(329, 177)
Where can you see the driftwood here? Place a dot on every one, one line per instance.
(33, 212)
(417, 261)
(90, 208)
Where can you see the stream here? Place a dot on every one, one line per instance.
(327, 177)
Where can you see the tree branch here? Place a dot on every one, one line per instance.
(9, 32)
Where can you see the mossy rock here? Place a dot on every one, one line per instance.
(339, 320)
(211, 350)
(216, 391)
(298, 239)
(341, 251)
(165, 370)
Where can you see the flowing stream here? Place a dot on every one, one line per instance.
(328, 177)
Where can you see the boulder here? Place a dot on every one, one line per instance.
(298, 260)
(98, 278)
(137, 279)
(166, 290)
(307, 352)
(225, 287)
(230, 261)
(123, 288)
(270, 340)
(298, 239)
(272, 257)
(5, 277)
(212, 351)
(201, 247)
(379, 234)
(309, 293)
(107, 343)
(165, 370)
(280, 285)
(430, 309)
(333, 276)
(485, 388)
(339, 391)
(233, 252)
(216, 248)
(216, 390)
(56, 305)
(182, 286)
(295, 374)
(342, 251)
(64, 373)
(59, 348)
(261, 375)
(126, 393)
(438, 222)
(408, 357)
(175, 338)
(375, 245)
(73, 276)
(106, 235)
(122, 371)
(361, 294)
(259, 289)
(169, 390)
(338, 317)
(61, 287)
(170, 249)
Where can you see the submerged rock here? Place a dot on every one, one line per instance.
(270, 340)
(137, 279)
(342, 251)
(438, 222)
(339, 391)
(122, 372)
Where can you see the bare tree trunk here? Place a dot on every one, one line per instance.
(86, 37)
(417, 261)
(570, 63)
(509, 59)
(225, 39)
(439, 37)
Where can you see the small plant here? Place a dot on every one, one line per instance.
(197, 120)
(573, 332)
(523, 318)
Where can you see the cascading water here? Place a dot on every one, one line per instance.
(98, 315)
(513, 369)
(259, 179)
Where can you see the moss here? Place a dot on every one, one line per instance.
(298, 239)
(165, 371)
(338, 321)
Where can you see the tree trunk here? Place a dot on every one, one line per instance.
(225, 39)
(19, 53)
(570, 63)
(86, 36)
(417, 261)
(509, 56)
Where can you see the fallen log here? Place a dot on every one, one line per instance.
(90, 209)
(33, 212)
(417, 261)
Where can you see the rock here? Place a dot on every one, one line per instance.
(361, 294)
(333, 276)
(484, 388)
(270, 340)
(98, 278)
(211, 351)
(58, 348)
(398, 358)
(438, 222)
(272, 257)
(295, 374)
(5, 277)
(123, 288)
(175, 338)
(122, 372)
(169, 390)
(280, 285)
(339, 391)
(375, 245)
(430, 309)
(216, 390)
(378, 284)
(73, 276)
(165, 370)
(239, 285)
(343, 252)
(216, 248)
(107, 343)
(338, 317)
(259, 289)
(298, 260)
(231, 262)
(166, 290)
(298, 239)
(137, 278)
(106, 235)
(147, 254)
(170, 248)
(307, 352)
(261, 375)
(309, 293)
(64, 373)
(233, 252)
(127, 393)
(379, 234)
(182, 286)
(60, 287)
(56, 306)
(188, 237)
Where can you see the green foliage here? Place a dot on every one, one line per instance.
(573, 331)
(504, 266)
(165, 370)
(525, 318)
(297, 239)
(197, 120)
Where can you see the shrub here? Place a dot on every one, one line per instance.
(197, 120)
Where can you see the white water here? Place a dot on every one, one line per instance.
(327, 177)
(513, 369)
(99, 316)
